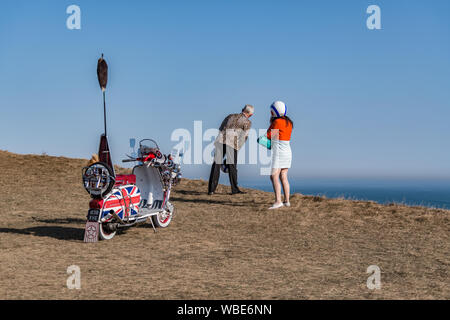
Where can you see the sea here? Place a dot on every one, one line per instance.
(427, 193)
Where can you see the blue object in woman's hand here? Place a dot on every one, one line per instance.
(265, 142)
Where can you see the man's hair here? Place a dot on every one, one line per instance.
(248, 109)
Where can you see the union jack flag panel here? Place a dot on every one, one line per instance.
(124, 201)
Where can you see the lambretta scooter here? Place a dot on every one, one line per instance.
(120, 201)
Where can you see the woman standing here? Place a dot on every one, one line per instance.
(279, 133)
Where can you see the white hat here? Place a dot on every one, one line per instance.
(278, 109)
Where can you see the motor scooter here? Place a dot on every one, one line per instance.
(120, 201)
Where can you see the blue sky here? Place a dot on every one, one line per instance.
(365, 102)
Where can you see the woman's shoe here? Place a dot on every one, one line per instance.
(276, 206)
(287, 204)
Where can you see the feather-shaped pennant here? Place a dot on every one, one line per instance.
(102, 73)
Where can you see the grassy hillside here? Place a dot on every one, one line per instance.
(217, 247)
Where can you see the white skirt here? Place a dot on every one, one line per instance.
(281, 154)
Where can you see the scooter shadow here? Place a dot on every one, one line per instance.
(209, 201)
(60, 220)
(56, 232)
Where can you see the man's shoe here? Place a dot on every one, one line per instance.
(238, 192)
(210, 193)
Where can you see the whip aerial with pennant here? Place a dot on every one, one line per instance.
(102, 75)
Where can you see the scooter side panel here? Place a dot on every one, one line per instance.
(149, 182)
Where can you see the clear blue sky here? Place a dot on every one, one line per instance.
(364, 103)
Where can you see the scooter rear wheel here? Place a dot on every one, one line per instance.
(106, 231)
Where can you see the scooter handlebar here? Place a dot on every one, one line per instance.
(130, 160)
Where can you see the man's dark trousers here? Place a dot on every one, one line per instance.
(231, 162)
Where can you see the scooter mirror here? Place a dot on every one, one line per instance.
(132, 143)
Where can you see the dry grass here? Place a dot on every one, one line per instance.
(217, 247)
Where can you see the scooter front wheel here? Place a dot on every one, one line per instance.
(107, 231)
(162, 219)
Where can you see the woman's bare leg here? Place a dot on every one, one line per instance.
(285, 183)
(275, 178)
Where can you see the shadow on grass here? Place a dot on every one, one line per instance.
(60, 233)
(61, 221)
(190, 192)
(207, 201)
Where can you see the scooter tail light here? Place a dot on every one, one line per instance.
(96, 204)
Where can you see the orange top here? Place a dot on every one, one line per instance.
(284, 128)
